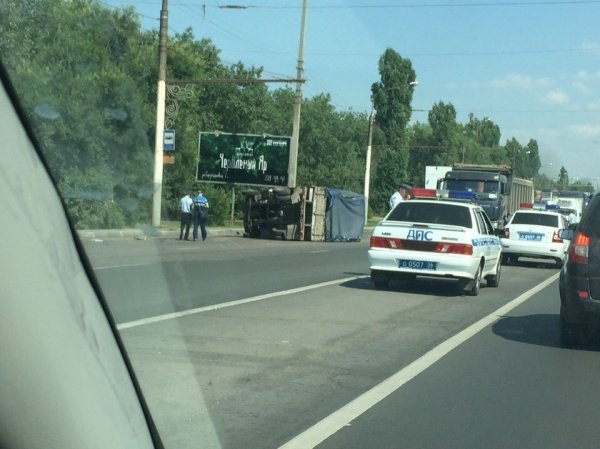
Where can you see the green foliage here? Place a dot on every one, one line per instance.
(219, 198)
(444, 129)
(391, 96)
(94, 140)
(99, 142)
(329, 155)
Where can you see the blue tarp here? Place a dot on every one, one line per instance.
(344, 216)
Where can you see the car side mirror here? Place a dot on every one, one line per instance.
(566, 234)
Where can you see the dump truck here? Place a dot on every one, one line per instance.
(493, 187)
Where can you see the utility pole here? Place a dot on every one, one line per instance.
(160, 116)
(293, 162)
(368, 167)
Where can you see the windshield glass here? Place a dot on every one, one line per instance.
(472, 186)
(224, 166)
(535, 219)
(431, 213)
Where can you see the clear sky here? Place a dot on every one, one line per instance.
(531, 66)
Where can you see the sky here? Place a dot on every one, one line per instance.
(531, 66)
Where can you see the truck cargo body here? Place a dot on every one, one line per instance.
(570, 201)
(493, 187)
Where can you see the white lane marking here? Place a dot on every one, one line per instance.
(224, 305)
(110, 267)
(344, 416)
(319, 251)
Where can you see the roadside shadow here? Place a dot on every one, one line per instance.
(420, 286)
(537, 329)
(533, 263)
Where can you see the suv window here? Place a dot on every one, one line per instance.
(535, 219)
(432, 213)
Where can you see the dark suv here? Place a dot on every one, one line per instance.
(579, 284)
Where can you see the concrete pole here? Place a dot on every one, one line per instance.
(368, 167)
(293, 162)
(160, 116)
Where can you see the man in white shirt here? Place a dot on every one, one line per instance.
(399, 195)
(185, 210)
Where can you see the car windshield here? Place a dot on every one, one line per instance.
(535, 219)
(431, 213)
(220, 168)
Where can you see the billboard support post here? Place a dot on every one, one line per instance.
(232, 203)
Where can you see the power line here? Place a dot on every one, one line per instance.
(435, 5)
(397, 6)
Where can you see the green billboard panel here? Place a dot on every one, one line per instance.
(243, 159)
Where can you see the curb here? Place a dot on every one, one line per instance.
(149, 232)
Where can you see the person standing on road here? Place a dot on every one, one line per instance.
(185, 212)
(399, 195)
(200, 215)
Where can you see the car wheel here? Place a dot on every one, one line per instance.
(570, 334)
(559, 263)
(475, 283)
(379, 279)
(494, 281)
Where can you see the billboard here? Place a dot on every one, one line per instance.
(243, 158)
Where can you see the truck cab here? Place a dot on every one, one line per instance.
(487, 189)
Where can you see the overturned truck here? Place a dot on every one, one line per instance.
(307, 213)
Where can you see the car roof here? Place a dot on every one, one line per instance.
(454, 203)
(537, 211)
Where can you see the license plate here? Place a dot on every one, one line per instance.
(530, 236)
(417, 264)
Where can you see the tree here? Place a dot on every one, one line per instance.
(328, 157)
(423, 152)
(484, 132)
(95, 140)
(391, 97)
(563, 178)
(530, 163)
(442, 119)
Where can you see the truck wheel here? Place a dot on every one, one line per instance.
(494, 280)
(282, 191)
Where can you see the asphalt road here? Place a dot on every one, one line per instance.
(259, 374)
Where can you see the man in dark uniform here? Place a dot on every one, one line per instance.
(200, 215)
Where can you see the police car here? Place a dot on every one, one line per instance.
(436, 238)
(534, 233)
